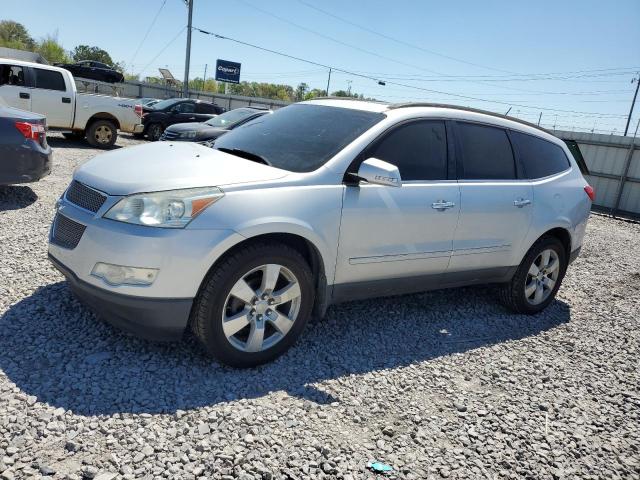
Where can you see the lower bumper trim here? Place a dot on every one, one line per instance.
(163, 319)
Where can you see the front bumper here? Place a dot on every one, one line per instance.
(150, 318)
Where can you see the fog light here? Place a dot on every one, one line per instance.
(121, 275)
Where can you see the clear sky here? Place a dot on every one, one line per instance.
(587, 51)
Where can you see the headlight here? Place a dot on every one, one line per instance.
(169, 209)
(187, 135)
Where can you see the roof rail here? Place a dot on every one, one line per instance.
(468, 109)
(382, 102)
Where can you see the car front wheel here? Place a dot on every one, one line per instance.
(254, 305)
(538, 277)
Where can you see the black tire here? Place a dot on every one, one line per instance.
(154, 132)
(102, 134)
(513, 294)
(73, 135)
(206, 315)
(138, 135)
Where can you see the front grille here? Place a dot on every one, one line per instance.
(85, 197)
(169, 135)
(66, 232)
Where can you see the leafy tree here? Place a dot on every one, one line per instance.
(301, 91)
(315, 93)
(51, 50)
(85, 52)
(15, 35)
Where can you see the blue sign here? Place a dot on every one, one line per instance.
(227, 71)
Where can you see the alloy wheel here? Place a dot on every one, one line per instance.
(542, 277)
(261, 308)
(103, 134)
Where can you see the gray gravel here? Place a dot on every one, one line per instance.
(438, 385)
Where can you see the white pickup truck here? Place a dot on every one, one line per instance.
(51, 91)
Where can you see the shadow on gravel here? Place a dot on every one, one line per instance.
(15, 197)
(81, 143)
(54, 349)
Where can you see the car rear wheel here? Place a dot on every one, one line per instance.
(102, 134)
(154, 132)
(254, 305)
(538, 277)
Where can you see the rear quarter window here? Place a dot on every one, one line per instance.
(539, 157)
(49, 80)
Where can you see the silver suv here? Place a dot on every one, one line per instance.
(318, 203)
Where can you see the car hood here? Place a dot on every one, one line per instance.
(167, 166)
(187, 127)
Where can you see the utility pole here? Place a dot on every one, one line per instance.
(328, 82)
(185, 87)
(539, 118)
(349, 88)
(204, 79)
(633, 102)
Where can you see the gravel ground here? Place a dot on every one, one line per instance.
(441, 384)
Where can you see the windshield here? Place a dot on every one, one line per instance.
(161, 105)
(228, 119)
(301, 137)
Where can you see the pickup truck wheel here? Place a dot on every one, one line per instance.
(102, 134)
(538, 277)
(254, 305)
(154, 132)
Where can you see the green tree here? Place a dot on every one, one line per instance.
(51, 50)
(15, 35)
(301, 91)
(85, 52)
(315, 93)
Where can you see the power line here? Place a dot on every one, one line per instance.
(163, 49)
(384, 82)
(401, 42)
(153, 22)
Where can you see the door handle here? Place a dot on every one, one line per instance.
(521, 202)
(66, 100)
(24, 95)
(192, 118)
(442, 205)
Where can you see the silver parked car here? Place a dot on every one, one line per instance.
(317, 203)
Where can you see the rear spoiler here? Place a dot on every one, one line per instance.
(577, 155)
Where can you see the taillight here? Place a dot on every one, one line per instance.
(590, 192)
(138, 110)
(31, 131)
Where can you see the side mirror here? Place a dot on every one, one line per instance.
(379, 172)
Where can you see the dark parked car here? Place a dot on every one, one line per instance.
(25, 155)
(176, 110)
(93, 70)
(207, 132)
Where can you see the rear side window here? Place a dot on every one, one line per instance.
(49, 80)
(205, 108)
(574, 148)
(539, 157)
(12, 75)
(486, 152)
(418, 149)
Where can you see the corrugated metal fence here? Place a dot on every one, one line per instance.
(142, 90)
(614, 163)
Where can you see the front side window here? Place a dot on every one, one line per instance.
(300, 137)
(12, 75)
(185, 108)
(49, 80)
(486, 152)
(539, 157)
(418, 149)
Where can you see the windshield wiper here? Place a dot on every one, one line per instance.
(246, 155)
